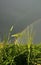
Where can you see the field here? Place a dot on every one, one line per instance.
(20, 54)
(15, 53)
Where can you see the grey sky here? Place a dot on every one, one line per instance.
(18, 12)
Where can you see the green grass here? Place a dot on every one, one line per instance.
(11, 54)
(19, 54)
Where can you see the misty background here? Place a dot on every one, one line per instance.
(19, 13)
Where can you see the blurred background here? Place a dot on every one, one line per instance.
(19, 13)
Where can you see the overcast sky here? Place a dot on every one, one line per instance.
(18, 12)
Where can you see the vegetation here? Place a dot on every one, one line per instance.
(19, 54)
(11, 54)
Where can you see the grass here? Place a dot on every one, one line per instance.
(11, 54)
(19, 54)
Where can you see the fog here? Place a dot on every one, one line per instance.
(19, 12)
